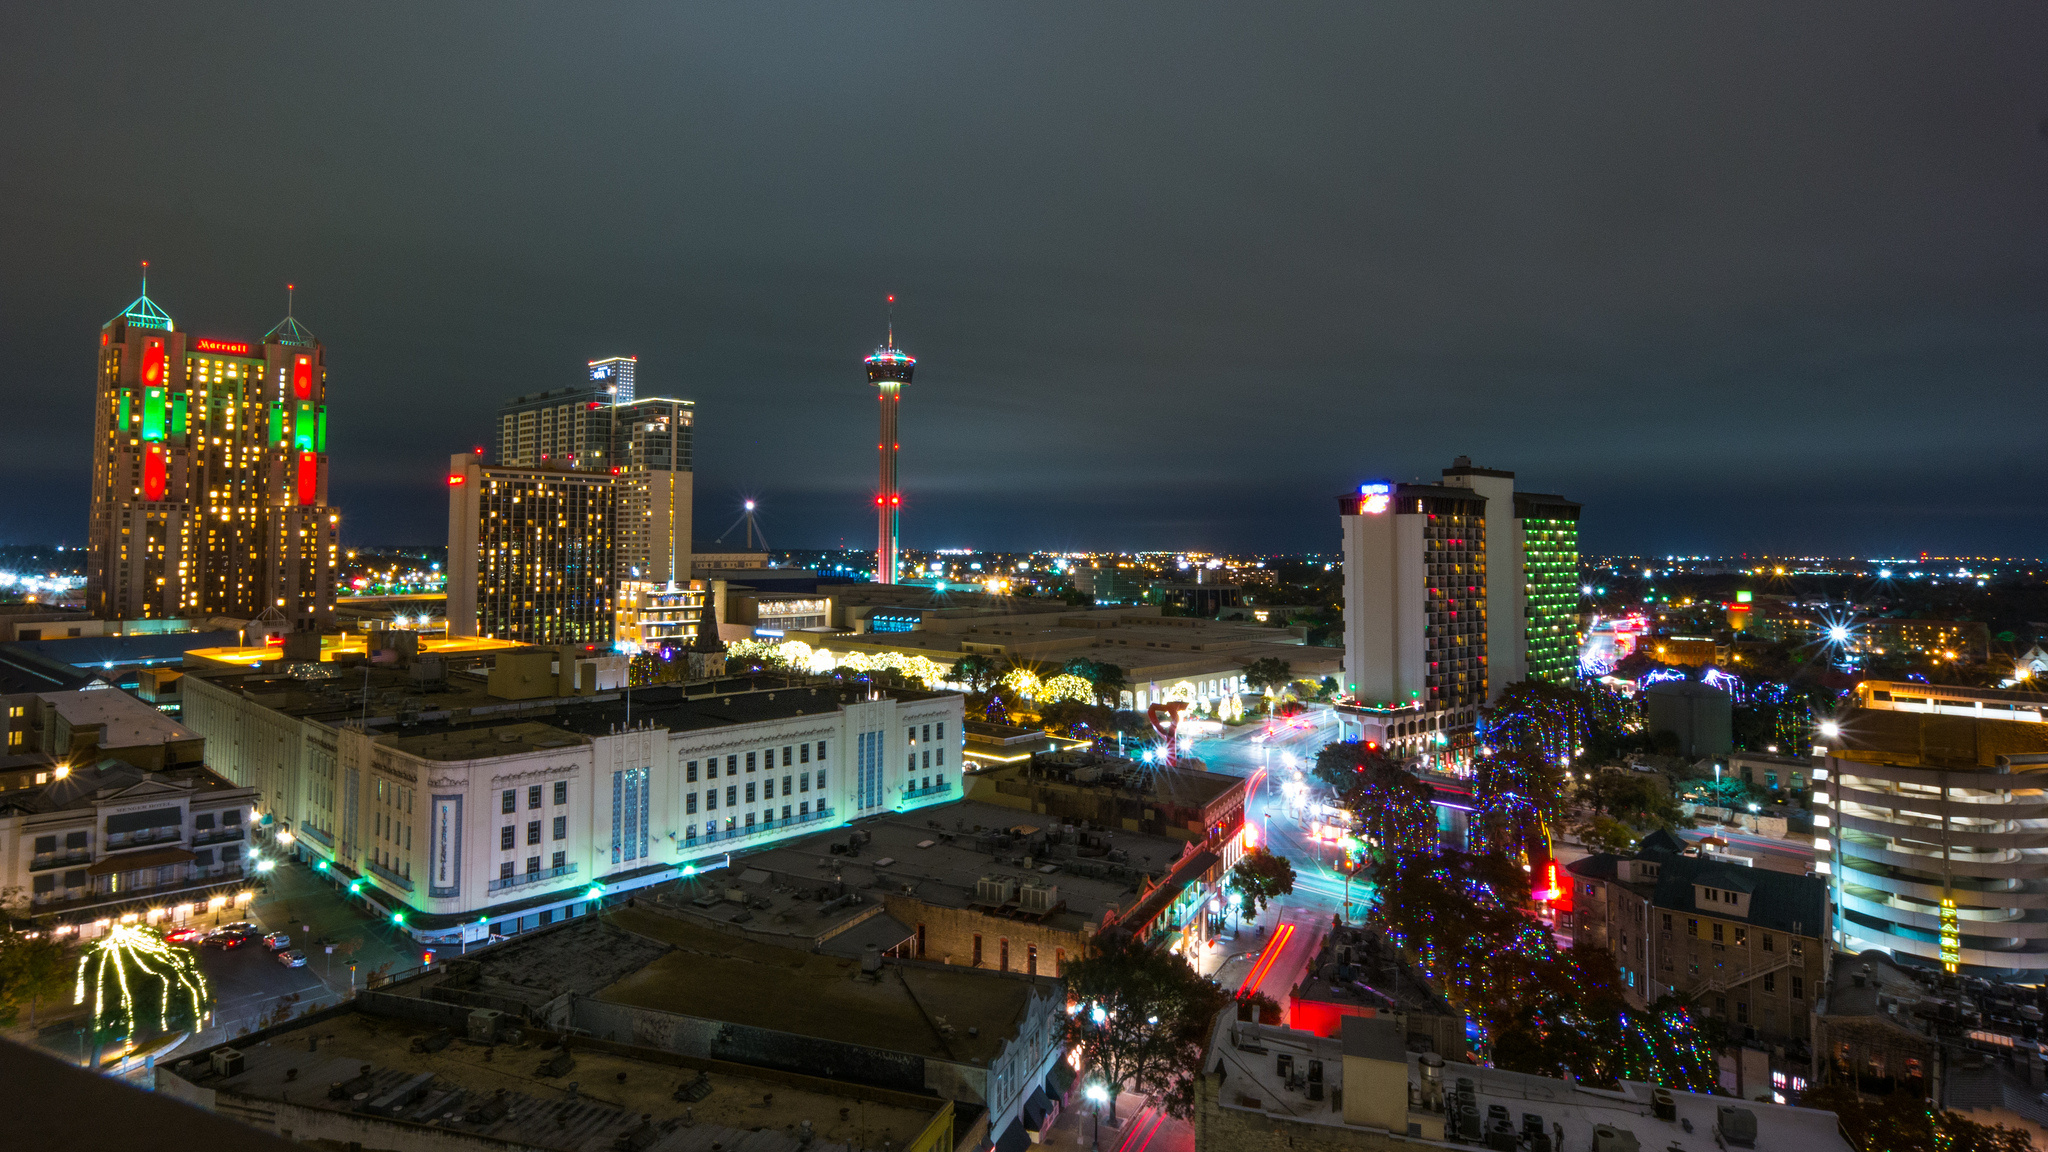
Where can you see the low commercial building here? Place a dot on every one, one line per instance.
(421, 1076)
(81, 727)
(1931, 816)
(462, 806)
(85, 844)
(1357, 972)
(964, 884)
(1700, 716)
(1746, 945)
(1960, 641)
(1205, 811)
(985, 1042)
(1265, 1087)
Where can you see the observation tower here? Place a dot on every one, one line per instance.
(888, 370)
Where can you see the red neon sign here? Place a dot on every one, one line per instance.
(454, 480)
(302, 377)
(152, 362)
(155, 473)
(309, 477)
(231, 347)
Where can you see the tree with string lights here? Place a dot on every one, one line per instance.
(138, 984)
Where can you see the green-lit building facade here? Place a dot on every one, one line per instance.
(1549, 530)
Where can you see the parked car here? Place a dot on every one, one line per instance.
(277, 941)
(292, 958)
(186, 935)
(227, 939)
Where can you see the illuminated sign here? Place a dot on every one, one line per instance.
(302, 377)
(1951, 936)
(229, 347)
(1375, 499)
(454, 480)
(1742, 597)
(600, 372)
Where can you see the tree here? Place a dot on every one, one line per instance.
(1268, 675)
(1143, 1018)
(1519, 795)
(1259, 878)
(1395, 806)
(1640, 800)
(1110, 684)
(1603, 833)
(976, 671)
(33, 970)
(1906, 1122)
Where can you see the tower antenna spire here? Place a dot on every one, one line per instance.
(145, 277)
(888, 341)
(288, 291)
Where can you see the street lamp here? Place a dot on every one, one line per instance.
(1098, 1096)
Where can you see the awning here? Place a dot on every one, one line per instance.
(1060, 1079)
(154, 858)
(1014, 1138)
(1039, 1112)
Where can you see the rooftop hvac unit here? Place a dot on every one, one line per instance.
(995, 890)
(1038, 897)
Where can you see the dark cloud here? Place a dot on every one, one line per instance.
(1738, 276)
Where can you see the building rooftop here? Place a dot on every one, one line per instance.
(1250, 1057)
(939, 854)
(1889, 733)
(82, 787)
(119, 651)
(481, 733)
(720, 976)
(23, 669)
(1778, 900)
(124, 721)
(605, 1097)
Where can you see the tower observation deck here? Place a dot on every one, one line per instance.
(888, 370)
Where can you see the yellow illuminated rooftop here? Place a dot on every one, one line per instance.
(352, 644)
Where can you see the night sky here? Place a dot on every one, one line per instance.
(1737, 276)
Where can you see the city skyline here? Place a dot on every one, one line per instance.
(1681, 317)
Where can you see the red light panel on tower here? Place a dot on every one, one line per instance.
(155, 473)
(153, 362)
(309, 477)
(302, 377)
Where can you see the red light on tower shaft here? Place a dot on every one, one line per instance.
(302, 377)
(309, 477)
(152, 362)
(155, 473)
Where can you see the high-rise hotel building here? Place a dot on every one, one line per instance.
(210, 474)
(530, 553)
(1452, 592)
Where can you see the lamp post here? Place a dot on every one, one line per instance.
(1098, 1096)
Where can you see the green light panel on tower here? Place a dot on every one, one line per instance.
(320, 436)
(179, 401)
(153, 414)
(127, 408)
(302, 426)
(277, 423)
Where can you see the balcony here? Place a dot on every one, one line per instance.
(524, 878)
(205, 836)
(43, 861)
(940, 789)
(746, 830)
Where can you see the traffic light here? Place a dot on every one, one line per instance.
(427, 957)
